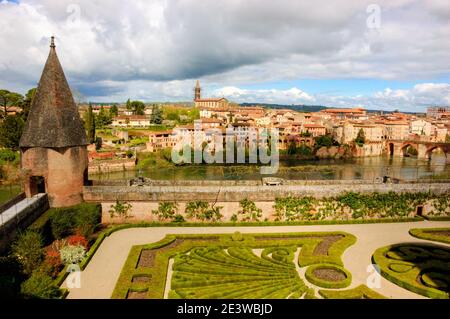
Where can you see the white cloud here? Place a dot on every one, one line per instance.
(155, 49)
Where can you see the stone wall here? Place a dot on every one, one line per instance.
(24, 218)
(105, 166)
(146, 198)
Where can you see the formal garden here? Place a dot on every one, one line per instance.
(241, 266)
(420, 268)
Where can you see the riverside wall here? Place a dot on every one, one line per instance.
(146, 198)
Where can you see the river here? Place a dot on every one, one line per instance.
(367, 168)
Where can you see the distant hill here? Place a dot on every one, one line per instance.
(302, 107)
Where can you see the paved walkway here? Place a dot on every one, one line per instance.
(16, 209)
(101, 274)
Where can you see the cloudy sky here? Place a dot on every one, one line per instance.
(394, 54)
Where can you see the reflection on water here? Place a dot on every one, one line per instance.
(366, 168)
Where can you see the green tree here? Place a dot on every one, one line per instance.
(28, 250)
(128, 104)
(138, 107)
(325, 141)
(26, 103)
(157, 115)
(89, 123)
(114, 111)
(360, 138)
(8, 99)
(103, 118)
(10, 131)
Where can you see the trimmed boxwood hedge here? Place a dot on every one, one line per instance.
(413, 255)
(426, 233)
(158, 271)
(360, 292)
(309, 274)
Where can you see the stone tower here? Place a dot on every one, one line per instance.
(197, 91)
(53, 144)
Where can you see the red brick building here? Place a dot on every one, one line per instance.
(54, 157)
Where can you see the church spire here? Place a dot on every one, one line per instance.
(197, 91)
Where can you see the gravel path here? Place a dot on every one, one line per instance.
(101, 274)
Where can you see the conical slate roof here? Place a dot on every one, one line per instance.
(53, 120)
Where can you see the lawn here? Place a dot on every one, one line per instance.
(8, 192)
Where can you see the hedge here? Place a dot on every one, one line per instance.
(278, 253)
(433, 262)
(426, 233)
(359, 292)
(309, 274)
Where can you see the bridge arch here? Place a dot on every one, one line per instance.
(404, 147)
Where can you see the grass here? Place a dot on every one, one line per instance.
(8, 192)
(431, 234)
(205, 266)
(420, 268)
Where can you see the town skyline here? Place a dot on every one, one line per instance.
(357, 56)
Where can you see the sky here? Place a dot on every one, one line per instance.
(377, 54)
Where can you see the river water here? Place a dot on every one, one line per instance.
(367, 168)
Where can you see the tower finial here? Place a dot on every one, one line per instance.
(52, 43)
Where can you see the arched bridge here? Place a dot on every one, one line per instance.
(424, 149)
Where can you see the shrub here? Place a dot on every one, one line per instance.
(40, 285)
(87, 218)
(52, 261)
(10, 277)
(77, 240)
(63, 222)
(202, 210)
(72, 254)
(249, 211)
(166, 211)
(28, 250)
(120, 209)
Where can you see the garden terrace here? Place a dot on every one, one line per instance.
(205, 266)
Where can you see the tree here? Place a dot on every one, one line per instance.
(157, 115)
(103, 118)
(114, 111)
(128, 105)
(10, 131)
(26, 103)
(138, 107)
(8, 99)
(325, 141)
(360, 138)
(292, 148)
(90, 125)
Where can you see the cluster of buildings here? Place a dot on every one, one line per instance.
(343, 125)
